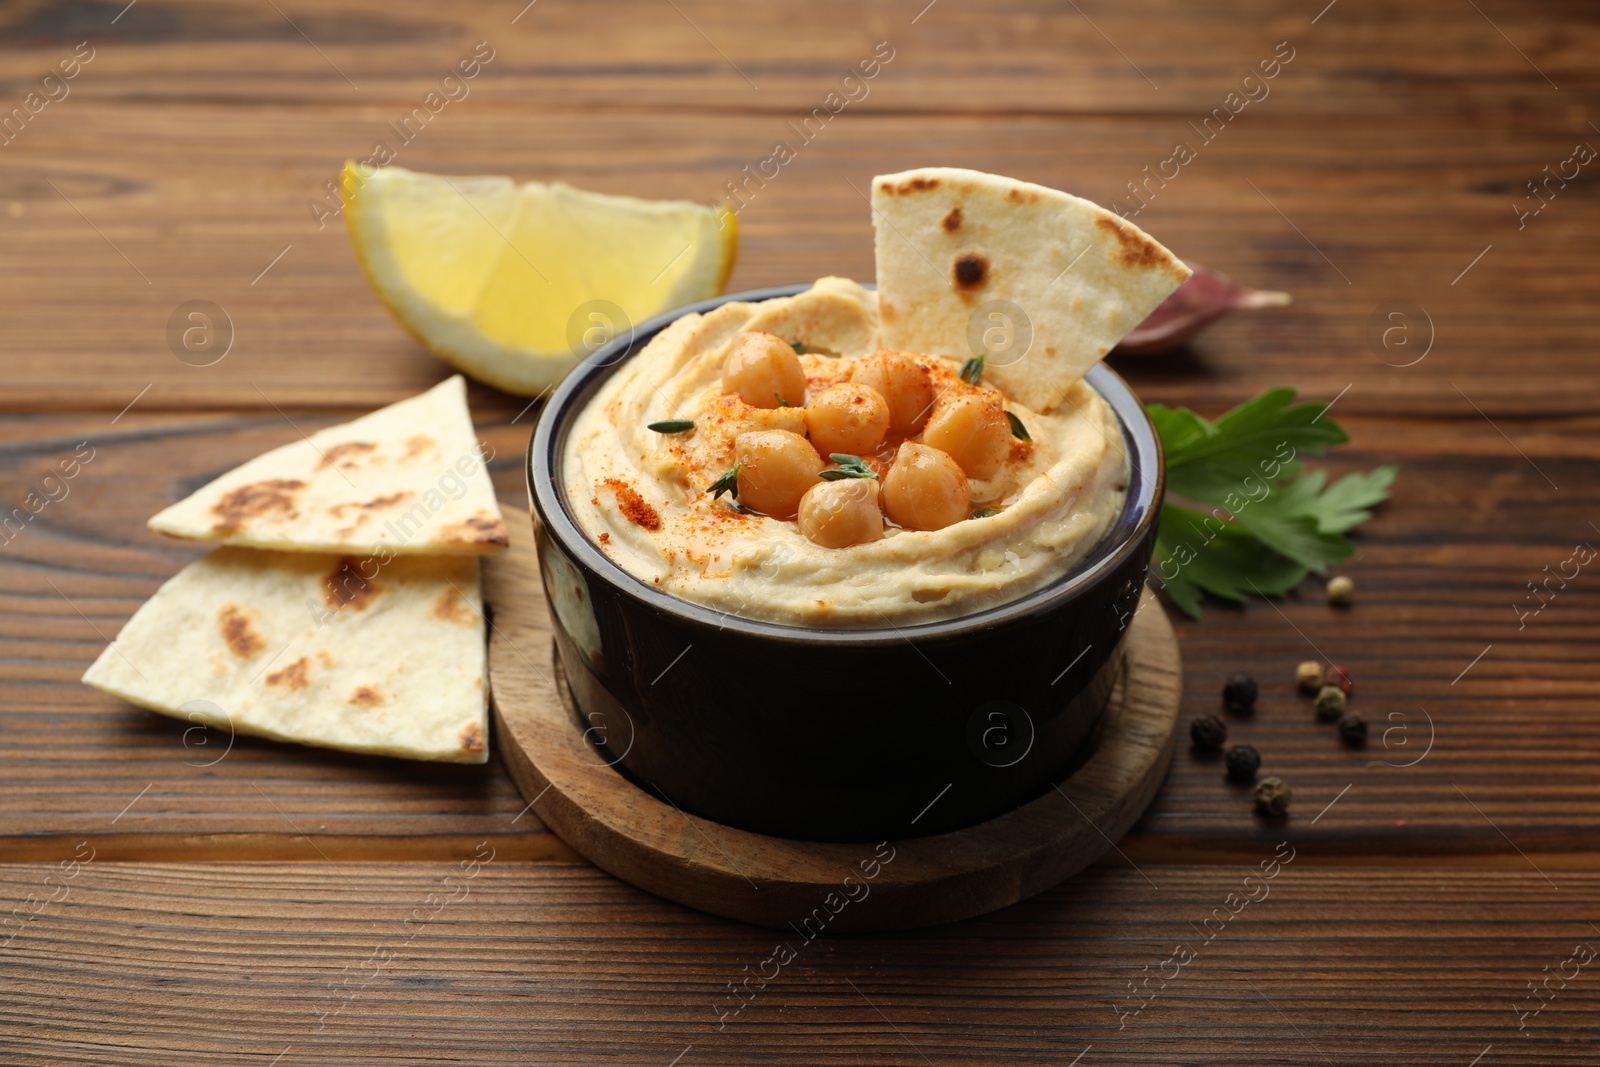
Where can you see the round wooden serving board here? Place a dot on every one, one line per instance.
(810, 887)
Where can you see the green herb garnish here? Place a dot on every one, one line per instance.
(728, 483)
(672, 426)
(985, 513)
(782, 403)
(972, 369)
(849, 467)
(1017, 429)
(799, 347)
(1272, 522)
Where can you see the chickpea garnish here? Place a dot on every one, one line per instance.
(775, 468)
(925, 489)
(903, 384)
(973, 430)
(841, 513)
(847, 417)
(765, 371)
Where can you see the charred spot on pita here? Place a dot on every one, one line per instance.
(347, 587)
(295, 675)
(1133, 248)
(240, 637)
(971, 270)
(952, 221)
(256, 500)
(345, 453)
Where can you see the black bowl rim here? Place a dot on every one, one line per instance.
(1138, 515)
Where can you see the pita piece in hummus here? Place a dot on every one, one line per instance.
(306, 647)
(957, 247)
(408, 478)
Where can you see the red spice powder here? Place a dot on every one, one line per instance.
(635, 507)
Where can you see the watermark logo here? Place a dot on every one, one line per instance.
(1000, 733)
(197, 739)
(593, 325)
(200, 333)
(1400, 333)
(1001, 332)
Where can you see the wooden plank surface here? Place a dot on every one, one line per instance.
(1437, 576)
(106, 237)
(1434, 879)
(502, 963)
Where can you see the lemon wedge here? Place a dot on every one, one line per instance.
(514, 284)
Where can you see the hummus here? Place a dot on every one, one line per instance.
(642, 496)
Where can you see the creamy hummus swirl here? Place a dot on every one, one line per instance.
(642, 496)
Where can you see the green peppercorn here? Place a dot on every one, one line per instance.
(1353, 730)
(1239, 695)
(1208, 733)
(1273, 796)
(1330, 703)
(1243, 763)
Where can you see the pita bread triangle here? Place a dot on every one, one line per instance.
(1041, 282)
(325, 650)
(407, 477)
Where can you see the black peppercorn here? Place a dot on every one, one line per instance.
(1243, 762)
(1353, 730)
(1239, 695)
(1208, 733)
(1272, 797)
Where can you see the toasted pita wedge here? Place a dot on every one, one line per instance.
(952, 243)
(407, 477)
(304, 647)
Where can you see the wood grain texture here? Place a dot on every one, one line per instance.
(1437, 574)
(1347, 213)
(757, 878)
(199, 964)
(1135, 57)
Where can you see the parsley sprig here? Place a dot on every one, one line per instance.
(1272, 523)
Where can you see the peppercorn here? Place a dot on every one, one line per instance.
(1273, 796)
(1239, 695)
(1353, 730)
(1340, 677)
(1341, 590)
(1208, 733)
(1308, 676)
(1243, 762)
(1330, 703)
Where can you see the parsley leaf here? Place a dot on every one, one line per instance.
(1273, 523)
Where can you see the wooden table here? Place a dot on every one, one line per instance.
(253, 908)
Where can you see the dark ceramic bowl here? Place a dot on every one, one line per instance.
(836, 735)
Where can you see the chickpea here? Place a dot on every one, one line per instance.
(847, 418)
(761, 368)
(900, 381)
(776, 468)
(842, 513)
(925, 489)
(973, 430)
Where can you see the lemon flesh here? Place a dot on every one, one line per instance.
(514, 284)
